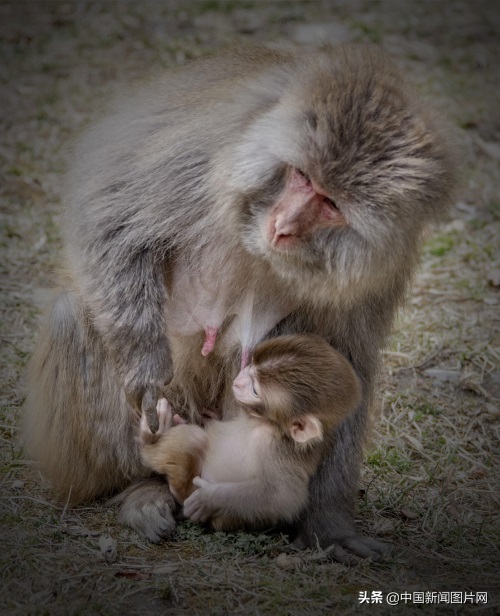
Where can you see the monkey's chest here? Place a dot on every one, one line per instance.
(231, 311)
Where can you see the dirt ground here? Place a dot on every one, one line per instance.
(430, 483)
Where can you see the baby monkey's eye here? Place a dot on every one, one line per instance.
(254, 391)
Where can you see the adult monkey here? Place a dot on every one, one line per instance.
(308, 177)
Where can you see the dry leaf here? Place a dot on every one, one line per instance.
(166, 569)
(413, 441)
(471, 381)
(479, 473)
(408, 514)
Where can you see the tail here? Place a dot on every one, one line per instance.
(77, 423)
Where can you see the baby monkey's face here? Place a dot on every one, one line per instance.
(246, 388)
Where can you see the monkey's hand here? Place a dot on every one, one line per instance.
(145, 400)
(165, 420)
(200, 506)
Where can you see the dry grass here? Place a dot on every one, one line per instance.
(431, 479)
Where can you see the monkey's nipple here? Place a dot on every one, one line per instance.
(210, 340)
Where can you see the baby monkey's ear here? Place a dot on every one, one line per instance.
(306, 428)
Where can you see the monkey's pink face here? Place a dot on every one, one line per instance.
(302, 208)
(246, 388)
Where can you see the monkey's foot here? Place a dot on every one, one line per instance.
(341, 543)
(147, 506)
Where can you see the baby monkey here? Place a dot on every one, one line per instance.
(254, 469)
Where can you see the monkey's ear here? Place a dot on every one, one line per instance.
(306, 428)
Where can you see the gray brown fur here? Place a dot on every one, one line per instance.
(185, 168)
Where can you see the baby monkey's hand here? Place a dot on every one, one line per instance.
(199, 506)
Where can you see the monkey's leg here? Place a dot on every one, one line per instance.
(147, 506)
(332, 494)
(178, 455)
(78, 424)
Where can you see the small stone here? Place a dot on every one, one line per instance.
(443, 375)
(288, 561)
(408, 514)
(108, 547)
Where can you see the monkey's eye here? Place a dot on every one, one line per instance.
(254, 391)
(304, 175)
(331, 203)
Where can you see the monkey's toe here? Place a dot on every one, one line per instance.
(344, 547)
(147, 506)
(365, 547)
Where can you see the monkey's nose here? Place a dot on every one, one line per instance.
(238, 383)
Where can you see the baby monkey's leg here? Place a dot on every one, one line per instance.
(176, 451)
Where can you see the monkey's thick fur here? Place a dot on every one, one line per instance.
(187, 171)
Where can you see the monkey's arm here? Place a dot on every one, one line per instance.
(126, 293)
(333, 489)
(129, 196)
(250, 502)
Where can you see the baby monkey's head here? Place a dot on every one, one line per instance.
(300, 384)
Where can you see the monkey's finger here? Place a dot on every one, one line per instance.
(148, 405)
(366, 547)
(200, 483)
(337, 553)
(192, 507)
(178, 420)
(334, 552)
(201, 515)
(165, 415)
